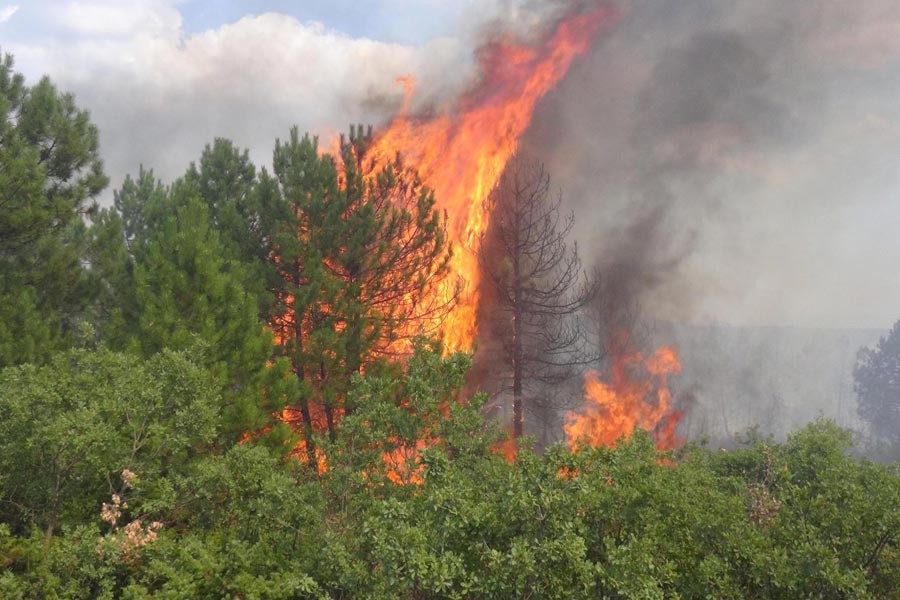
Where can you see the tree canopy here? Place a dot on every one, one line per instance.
(50, 171)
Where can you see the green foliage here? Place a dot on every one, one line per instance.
(49, 150)
(49, 169)
(136, 202)
(177, 288)
(184, 288)
(68, 429)
(160, 280)
(225, 180)
(800, 520)
(405, 421)
(247, 212)
(142, 474)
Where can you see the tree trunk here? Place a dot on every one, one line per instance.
(301, 375)
(518, 351)
(518, 412)
(307, 430)
(329, 419)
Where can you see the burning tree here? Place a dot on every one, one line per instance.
(461, 149)
(537, 283)
(359, 255)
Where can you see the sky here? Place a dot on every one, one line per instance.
(727, 162)
(399, 21)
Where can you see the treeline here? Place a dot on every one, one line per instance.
(202, 395)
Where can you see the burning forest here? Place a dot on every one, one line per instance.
(461, 152)
(474, 347)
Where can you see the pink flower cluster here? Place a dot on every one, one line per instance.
(112, 511)
(137, 536)
(134, 535)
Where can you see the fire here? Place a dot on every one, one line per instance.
(403, 465)
(508, 448)
(292, 417)
(634, 395)
(460, 153)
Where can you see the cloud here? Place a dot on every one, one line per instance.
(158, 94)
(116, 19)
(7, 12)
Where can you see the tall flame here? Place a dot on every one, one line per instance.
(634, 395)
(461, 153)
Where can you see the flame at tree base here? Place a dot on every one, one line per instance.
(507, 447)
(634, 395)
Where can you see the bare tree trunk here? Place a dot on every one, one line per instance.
(518, 412)
(518, 350)
(538, 283)
(329, 410)
(307, 431)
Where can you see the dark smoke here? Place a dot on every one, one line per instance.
(723, 161)
(678, 104)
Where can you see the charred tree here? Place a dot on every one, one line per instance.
(538, 286)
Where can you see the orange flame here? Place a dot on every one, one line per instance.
(292, 417)
(404, 465)
(508, 448)
(635, 395)
(461, 153)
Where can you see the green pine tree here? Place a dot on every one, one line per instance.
(49, 172)
(246, 210)
(133, 201)
(360, 254)
(189, 295)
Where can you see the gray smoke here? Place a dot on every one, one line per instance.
(732, 163)
(696, 145)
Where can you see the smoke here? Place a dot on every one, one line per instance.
(159, 94)
(735, 163)
(715, 153)
(711, 151)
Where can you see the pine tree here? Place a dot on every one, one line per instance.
(134, 199)
(876, 379)
(225, 178)
(391, 256)
(188, 295)
(246, 210)
(359, 254)
(116, 234)
(49, 171)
